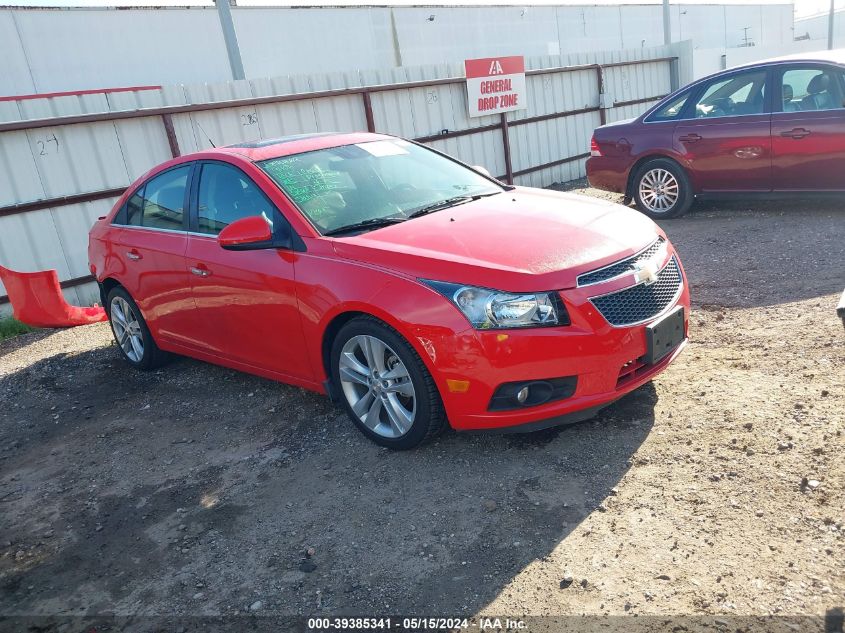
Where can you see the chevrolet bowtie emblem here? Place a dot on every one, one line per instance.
(645, 272)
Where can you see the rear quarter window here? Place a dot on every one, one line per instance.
(672, 110)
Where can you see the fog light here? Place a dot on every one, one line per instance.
(515, 395)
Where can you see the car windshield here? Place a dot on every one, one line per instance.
(368, 185)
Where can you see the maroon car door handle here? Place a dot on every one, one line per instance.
(200, 270)
(798, 132)
(689, 138)
(133, 255)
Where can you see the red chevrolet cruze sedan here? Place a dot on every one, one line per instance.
(771, 129)
(405, 285)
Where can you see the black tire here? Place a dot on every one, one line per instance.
(152, 356)
(685, 195)
(430, 417)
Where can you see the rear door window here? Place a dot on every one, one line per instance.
(134, 208)
(160, 202)
(811, 89)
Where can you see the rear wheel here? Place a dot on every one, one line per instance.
(131, 333)
(384, 385)
(662, 189)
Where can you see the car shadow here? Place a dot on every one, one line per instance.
(199, 490)
(761, 253)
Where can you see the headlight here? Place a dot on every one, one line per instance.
(486, 309)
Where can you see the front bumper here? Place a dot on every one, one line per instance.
(606, 360)
(572, 410)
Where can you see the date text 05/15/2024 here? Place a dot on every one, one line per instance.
(415, 624)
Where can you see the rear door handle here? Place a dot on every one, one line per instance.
(200, 271)
(133, 255)
(690, 138)
(797, 133)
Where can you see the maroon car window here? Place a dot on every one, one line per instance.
(672, 110)
(226, 194)
(738, 94)
(811, 89)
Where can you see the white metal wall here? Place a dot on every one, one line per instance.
(75, 49)
(75, 159)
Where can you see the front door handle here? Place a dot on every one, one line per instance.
(690, 138)
(200, 271)
(133, 255)
(797, 133)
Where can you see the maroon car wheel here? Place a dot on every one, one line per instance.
(662, 189)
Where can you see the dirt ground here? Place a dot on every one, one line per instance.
(718, 489)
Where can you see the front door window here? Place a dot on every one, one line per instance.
(742, 93)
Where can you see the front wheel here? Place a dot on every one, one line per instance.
(384, 385)
(662, 189)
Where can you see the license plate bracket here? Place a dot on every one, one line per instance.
(664, 335)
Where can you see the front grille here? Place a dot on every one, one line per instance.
(642, 302)
(621, 267)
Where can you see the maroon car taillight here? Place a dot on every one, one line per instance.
(594, 147)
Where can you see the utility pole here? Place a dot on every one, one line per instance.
(745, 41)
(830, 27)
(667, 26)
(224, 12)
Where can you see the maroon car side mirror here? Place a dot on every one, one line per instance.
(246, 234)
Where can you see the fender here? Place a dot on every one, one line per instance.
(405, 304)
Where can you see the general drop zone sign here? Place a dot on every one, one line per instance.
(495, 84)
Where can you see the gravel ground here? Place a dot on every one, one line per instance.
(715, 490)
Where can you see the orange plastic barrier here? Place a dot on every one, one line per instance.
(37, 300)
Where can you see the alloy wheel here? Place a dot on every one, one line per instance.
(659, 190)
(377, 386)
(127, 329)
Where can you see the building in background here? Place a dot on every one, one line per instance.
(59, 49)
(814, 28)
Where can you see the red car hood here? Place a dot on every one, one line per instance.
(518, 241)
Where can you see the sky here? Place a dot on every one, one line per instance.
(802, 7)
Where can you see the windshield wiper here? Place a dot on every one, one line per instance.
(372, 223)
(450, 202)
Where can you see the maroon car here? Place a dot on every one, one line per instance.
(770, 129)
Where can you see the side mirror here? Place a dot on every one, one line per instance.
(247, 234)
(482, 170)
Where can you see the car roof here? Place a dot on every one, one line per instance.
(295, 144)
(836, 56)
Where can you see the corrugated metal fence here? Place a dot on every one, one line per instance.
(65, 159)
